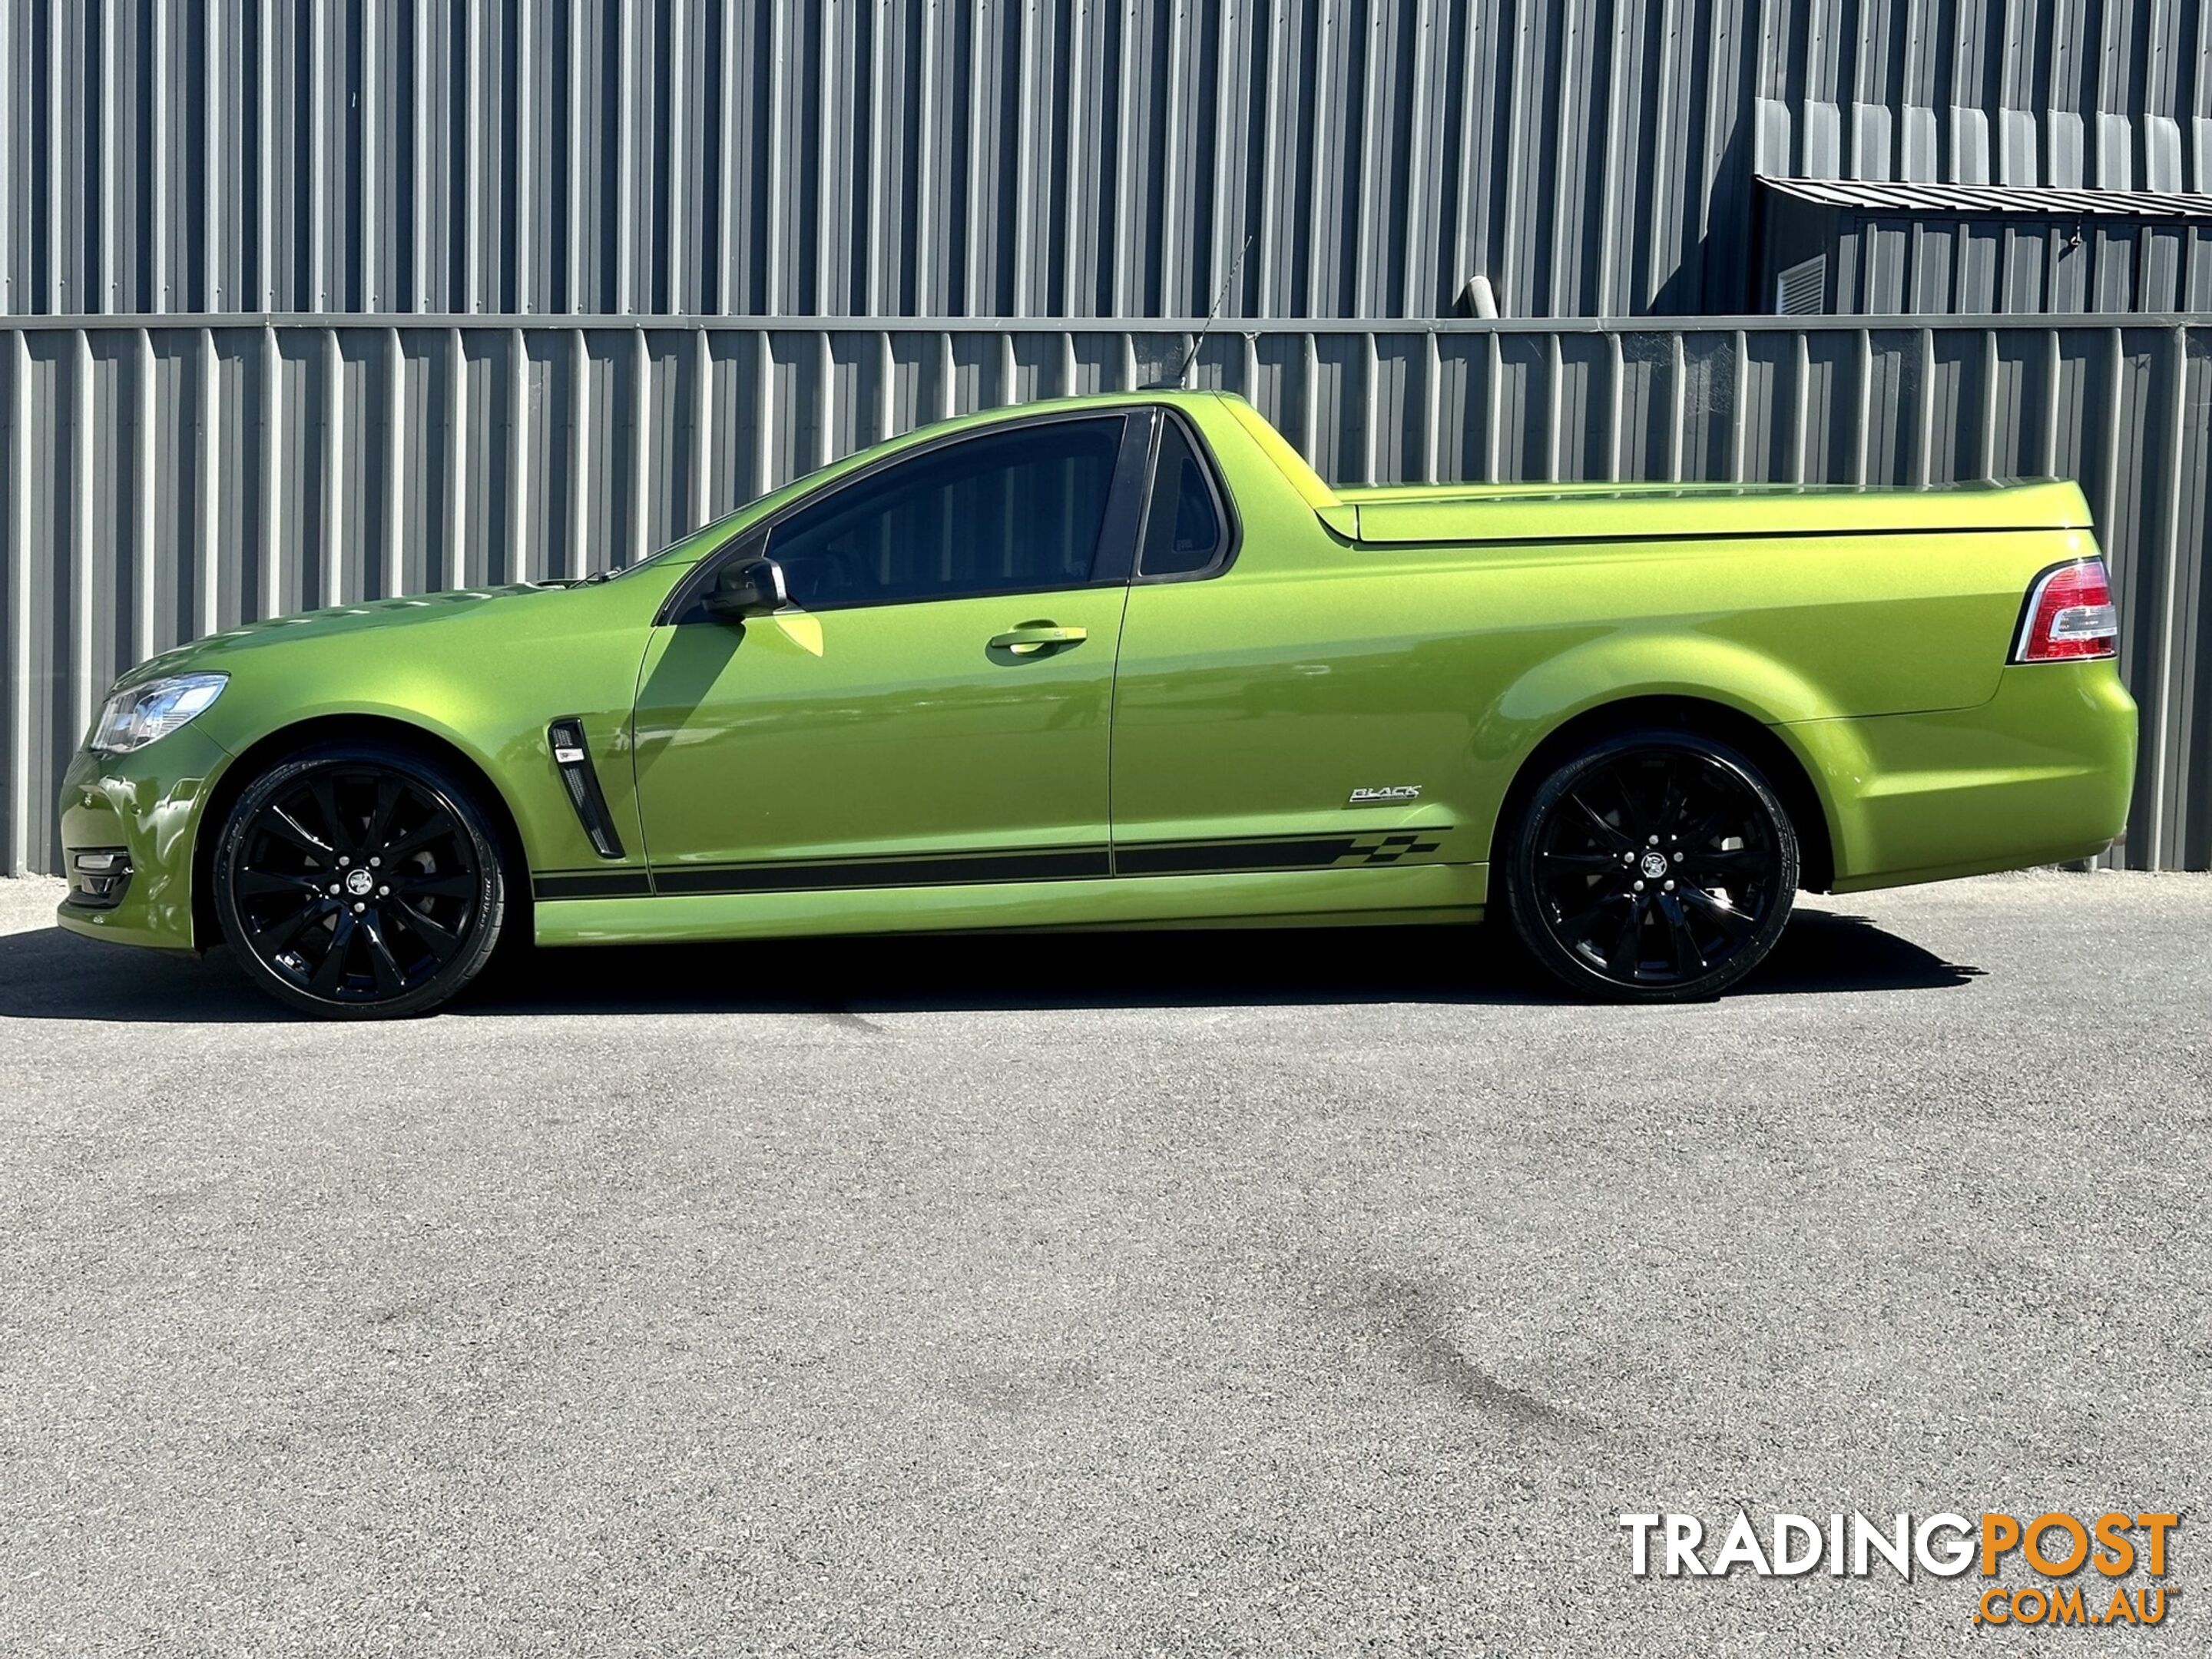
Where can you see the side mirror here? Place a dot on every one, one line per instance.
(746, 587)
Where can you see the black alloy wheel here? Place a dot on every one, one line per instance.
(360, 881)
(1654, 866)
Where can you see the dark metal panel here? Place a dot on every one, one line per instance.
(2029, 251)
(1932, 253)
(2162, 249)
(2113, 267)
(2073, 265)
(935, 157)
(1979, 253)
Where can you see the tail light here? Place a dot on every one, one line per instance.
(2068, 615)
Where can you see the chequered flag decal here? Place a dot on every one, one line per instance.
(1385, 849)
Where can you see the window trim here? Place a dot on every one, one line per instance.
(1224, 509)
(1118, 529)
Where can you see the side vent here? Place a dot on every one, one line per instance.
(574, 757)
(1802, 290)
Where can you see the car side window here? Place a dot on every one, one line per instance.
(1183, 525)
(1004, 512)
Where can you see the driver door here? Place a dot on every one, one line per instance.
(934, 707)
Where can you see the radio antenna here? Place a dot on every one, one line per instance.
(1199, 339)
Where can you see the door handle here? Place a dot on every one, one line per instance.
(1032, 637)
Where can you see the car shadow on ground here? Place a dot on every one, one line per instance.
(50, 975)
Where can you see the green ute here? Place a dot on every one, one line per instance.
(1126, 661)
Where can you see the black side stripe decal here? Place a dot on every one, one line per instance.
(592, 883)
(1036, 864)
(1044, 864)
(1309, 853)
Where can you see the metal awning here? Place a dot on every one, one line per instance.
(2038, 200)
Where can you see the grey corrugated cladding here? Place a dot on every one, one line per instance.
(900, 157)
(162, 483)
(1975, 249)
(1885, 265)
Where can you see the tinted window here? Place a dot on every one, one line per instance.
(998, 513)
(1182, 530)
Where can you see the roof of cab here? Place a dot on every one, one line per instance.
(1303, 481)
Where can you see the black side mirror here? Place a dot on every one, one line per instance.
(746, 587)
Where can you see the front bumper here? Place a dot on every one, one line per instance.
(147, 806)
(2040, 773)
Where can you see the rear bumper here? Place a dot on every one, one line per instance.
(2040, 773)
(146, 806)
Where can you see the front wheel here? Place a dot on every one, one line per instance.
(1654, 866)
(360, 881)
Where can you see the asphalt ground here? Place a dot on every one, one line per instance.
(1288, 1293)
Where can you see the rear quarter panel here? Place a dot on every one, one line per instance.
(1789, 628)
(1316, 664)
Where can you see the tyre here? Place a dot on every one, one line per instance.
(360, 881)
(1654, 866)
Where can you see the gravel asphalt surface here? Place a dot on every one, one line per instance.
(1290, 1293)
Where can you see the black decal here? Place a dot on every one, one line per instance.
(592, 884)
(1043, 864)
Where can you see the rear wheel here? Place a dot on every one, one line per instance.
(360, 881)
(1654, 866)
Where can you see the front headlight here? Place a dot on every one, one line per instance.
(131, 719)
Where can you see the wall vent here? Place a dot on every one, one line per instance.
(1802, 290)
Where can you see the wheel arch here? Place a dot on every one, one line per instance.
(265, 751)
(1760, 742)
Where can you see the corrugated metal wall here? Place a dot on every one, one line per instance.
(2022, 266)
(160, 483)
(1020, 157)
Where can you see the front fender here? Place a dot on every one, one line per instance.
(485, 680)
(498, 728)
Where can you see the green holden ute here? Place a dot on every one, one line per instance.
(1126, 661)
